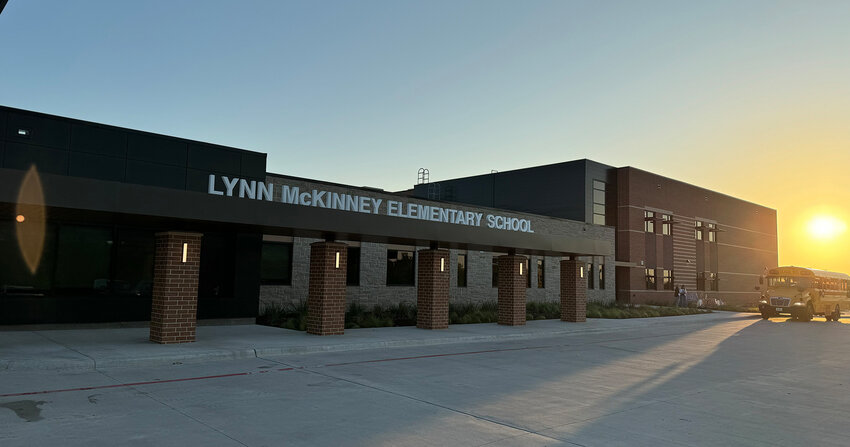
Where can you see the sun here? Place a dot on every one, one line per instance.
(826, 227)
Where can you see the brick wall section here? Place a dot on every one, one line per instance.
(512, 290)
(432, 294)
(573, 292)
(326, 289)
(174, 310)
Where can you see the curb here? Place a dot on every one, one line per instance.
(84, 362)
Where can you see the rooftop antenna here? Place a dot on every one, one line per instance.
(422, 176)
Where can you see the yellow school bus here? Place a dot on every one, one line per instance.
(803, 293)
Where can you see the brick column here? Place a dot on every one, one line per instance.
(326, 290)
(432, 291)
(512, 289)
(174, 311)
(573, 291)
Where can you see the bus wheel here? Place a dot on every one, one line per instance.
(808, 313)
(837, 314)
(764, 316)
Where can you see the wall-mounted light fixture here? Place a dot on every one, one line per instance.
(520, 268)
(336, 263)
(20, 218)
(185, 251)
(581, 271)
(23, 132)
(442, 264)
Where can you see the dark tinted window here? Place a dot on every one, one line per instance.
(83, 255)
(276, 264)
(541, 274)
(495, 271)
(461, 270)
(400, 268)
(134, 263)
(15, 275)
(352, 273)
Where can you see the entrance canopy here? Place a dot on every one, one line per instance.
(299, 207)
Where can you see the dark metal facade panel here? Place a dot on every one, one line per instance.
(22, 156)
(96, 166)
(559, 190)
(170, 151)
(210, 158)
(43, 131)
(155, 174)
(253, 165)
(98, 140)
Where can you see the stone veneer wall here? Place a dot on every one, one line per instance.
(373, 278)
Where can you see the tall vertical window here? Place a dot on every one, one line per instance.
(650, 279)
(401, 268)
(461, 270)
(527, 273)
(712, 281)
(601, 275)
(712, 233)
(666, 224)
(276, 263)
(599, 202)
(667, 279)
(590, 275)
(649, 221)
(495, 275)
(698, 230)
(541, 274)
(352, 267)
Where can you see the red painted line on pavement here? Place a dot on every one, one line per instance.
(434, 355)
(220, 376)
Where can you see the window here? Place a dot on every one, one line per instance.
(133, 267)
(276, 263)
(667, 281)
(83, 259)
(527, 273)
(401, 268)
(461, 270)
(666, 224)
(698, 230)
(601, 275)
(495, 275)
(541, 273)
(712, 234)
(712, 281)
(649, 221)
(352, 267)
(598, 202)
(707, 281)
(650, 279)
(589, 275)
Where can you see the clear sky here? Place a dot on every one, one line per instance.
(748, 98)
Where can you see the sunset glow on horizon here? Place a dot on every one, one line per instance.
(749, 99)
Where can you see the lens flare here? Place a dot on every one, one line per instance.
(826, 227)
(31, 229)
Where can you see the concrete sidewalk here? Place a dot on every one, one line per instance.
(114, 347)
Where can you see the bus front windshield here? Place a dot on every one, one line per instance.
(789, 281)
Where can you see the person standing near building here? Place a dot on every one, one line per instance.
(682, 296)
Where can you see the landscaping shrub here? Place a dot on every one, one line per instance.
(294, 316)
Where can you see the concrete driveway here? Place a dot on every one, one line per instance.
(696, 381)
